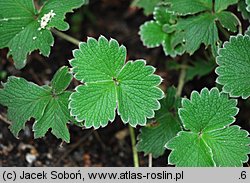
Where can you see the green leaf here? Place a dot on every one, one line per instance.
(212, 109)
(228, 20)
(199, 69)
(187, 7)
(152, 34)
(234, 66)
(242, 7)
(188, 150)
(61, 80)
(197, 22)
(95, 103)
(162, 31)
(154, 136)
(23, 31)
(26, 100)
(225, 146)
(209, 141)
(56, 117)
(147, 5)
(204, 28)
(109, 83)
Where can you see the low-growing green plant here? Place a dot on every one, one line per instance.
(206, 139)
(198, 131)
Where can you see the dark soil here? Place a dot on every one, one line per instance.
(109, 146)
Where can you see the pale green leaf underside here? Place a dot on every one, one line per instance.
(210, 141)
(109, 83)
(152, 139)
(20, 23)
(234, 66)
(25, 100)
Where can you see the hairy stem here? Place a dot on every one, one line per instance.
(181, 81)
(66, 37)
(133, 143)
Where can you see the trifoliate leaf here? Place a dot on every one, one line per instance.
(154, 136)
(147, 5)
(26, 100)
(108, 84)
(234, 66)
(162, 31)
(242, 7)
(209, 141)
(24, 29)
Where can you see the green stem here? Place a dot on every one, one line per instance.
(133, 143)
(66, 37)
(181, 81)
